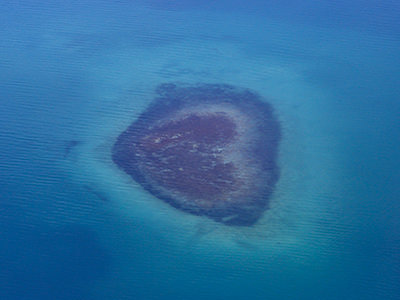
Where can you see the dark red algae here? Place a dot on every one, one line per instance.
(209, 150)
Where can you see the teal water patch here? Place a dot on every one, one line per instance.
(288, 237)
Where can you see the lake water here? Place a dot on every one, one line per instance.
(75, 75)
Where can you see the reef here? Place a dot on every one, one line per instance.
(209, 150)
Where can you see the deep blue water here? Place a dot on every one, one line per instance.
(74, 75)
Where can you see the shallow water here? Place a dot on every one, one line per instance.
(74, 76)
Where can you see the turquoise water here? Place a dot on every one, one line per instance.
(73, 76)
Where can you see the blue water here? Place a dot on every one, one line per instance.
(74, 227)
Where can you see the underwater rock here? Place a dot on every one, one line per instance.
(207, 150)
(69, 146)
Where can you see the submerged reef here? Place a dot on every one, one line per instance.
(209, 150)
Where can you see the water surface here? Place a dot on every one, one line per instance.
(73, 76)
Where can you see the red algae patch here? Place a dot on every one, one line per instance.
(209, 150)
